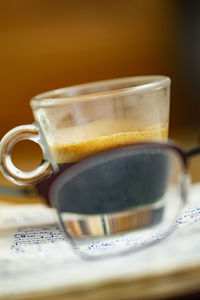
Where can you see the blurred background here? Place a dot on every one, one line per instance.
(51, 44)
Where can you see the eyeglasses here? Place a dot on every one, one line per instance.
(121, 200)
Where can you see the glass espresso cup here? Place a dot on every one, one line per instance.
(76, 122)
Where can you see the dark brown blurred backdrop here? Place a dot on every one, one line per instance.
(51, 44)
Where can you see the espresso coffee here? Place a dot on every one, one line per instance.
(75, 144)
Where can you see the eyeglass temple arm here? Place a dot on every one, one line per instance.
(192, 152)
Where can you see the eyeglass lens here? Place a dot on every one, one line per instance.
(124, 191)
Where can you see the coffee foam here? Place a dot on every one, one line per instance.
(76, 143)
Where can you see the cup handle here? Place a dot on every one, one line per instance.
(17, 134)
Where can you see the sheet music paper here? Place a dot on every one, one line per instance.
(35, 257)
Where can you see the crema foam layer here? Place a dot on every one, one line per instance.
(75, 145)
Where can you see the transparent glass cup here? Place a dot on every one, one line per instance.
(77, 122)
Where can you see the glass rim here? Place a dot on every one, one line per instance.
(150, 83)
